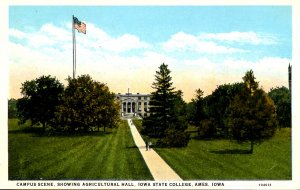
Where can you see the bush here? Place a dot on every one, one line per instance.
(207, 128)
(174, 138)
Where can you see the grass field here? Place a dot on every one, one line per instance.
(224, 159)
(98, 156)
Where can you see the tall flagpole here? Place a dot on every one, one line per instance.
(74, 48)
(75, 54)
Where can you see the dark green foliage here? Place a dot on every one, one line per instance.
(251, 114)
(179, 119)
(167, 108)
(87, 105)
(207, 129)
(161, 103)
(174, 138)
(40, 98)
(12, 108)
(210, 111)
(199, 116)
(250, 83)
(282, 99)
(198, 108)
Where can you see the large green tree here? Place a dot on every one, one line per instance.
(166, 119)
(197, 110)
(161, 103)
(251, 114)
(39, 101)
(87, 105)
(282, 99)
(216, 106)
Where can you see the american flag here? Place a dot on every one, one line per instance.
(79, 26)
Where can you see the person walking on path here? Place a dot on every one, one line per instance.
(159, 169)
(147, 145)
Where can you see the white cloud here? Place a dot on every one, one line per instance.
(187, 42)
(124, 43)
(201, 62)
(17, 33)
(49, 51)
(240, 37)
(40, 40)
(50, 35)
(97, 39)
(210, 43)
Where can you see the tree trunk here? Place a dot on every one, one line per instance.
(252, 146)
(44, 127)
(252, 141)
(104, 128)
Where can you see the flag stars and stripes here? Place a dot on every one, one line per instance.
(79, 26)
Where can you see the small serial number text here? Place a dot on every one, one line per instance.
(265, 184)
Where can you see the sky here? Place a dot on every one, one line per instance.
(204, 46)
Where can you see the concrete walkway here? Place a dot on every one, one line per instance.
(159, 169)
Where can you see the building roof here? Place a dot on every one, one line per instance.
(132, 95)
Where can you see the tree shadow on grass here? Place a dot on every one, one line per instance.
(133, 146)
(231, 151)
(72, 134)
(38, 132)
(35, 130)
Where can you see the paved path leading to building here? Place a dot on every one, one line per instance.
(159, 169)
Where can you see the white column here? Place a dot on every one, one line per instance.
(127, 107)
(121, 108)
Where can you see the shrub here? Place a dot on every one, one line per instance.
(174, 138)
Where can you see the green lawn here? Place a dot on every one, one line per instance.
(224, 159)
(99, 156)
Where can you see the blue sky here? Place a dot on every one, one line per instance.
(204, 46)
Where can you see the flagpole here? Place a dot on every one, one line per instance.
(74, 47)
(75, 54)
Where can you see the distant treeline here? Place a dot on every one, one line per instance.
(241, 110)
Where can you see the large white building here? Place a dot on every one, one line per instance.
(134, 104)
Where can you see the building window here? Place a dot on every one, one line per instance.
(140, 103)
(124, 107)
(139, 97)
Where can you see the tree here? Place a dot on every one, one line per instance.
(282, 99)
(167, 119)
(216, 106)
(251, 114)
(161, 103)
(198, 114)
(198, 103)
(39, 101)
(87, 104)
(12, 108)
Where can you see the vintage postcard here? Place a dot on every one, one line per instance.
(150, 95)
